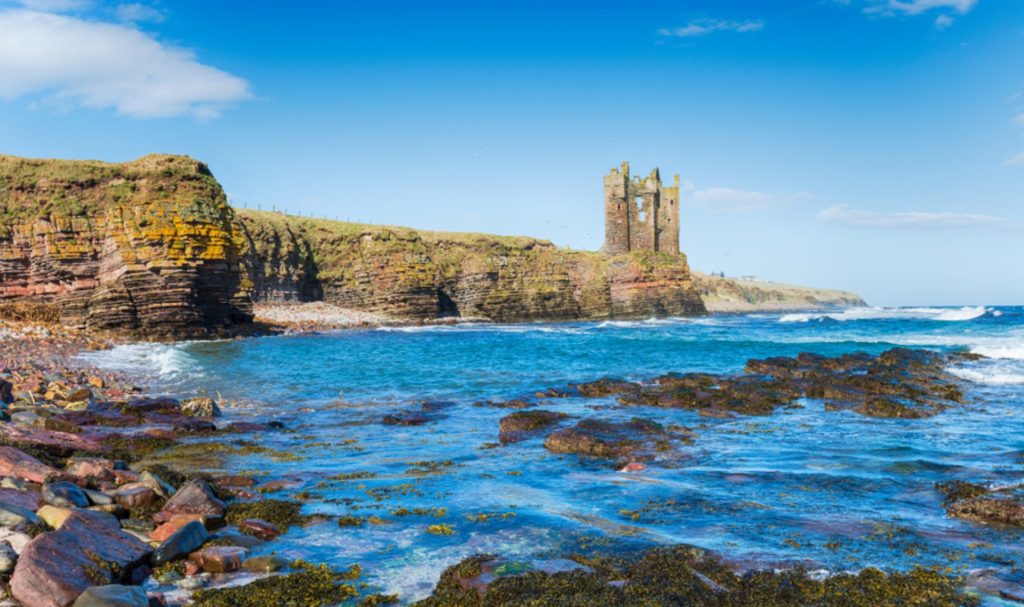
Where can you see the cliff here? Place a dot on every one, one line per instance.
(149, 247)
(731, 295)
(422, 275)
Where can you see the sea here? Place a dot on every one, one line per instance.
(827, 490)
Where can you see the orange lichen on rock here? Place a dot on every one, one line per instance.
(149, 248)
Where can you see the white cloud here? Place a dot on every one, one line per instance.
(912, 220)
(106, 65)
(701, 27)
(721, 201)
(138, 13)
(946, 8)
(916, 7)
(1019, 119)
(1016, 160)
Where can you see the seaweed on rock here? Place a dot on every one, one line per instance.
(309, 585)
(683, 575)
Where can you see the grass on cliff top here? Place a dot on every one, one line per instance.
(33, 188)
(736, 295)
(331, 229)
(341, 249)
(29, 171)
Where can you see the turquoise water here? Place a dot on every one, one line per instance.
(831, 490)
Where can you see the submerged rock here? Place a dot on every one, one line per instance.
(522, 424)
(606, 386)
(427, 412)
(112, 595)
(635, 439)
(899, 383)
(264, 564)
(259, 528)
(1003, 506)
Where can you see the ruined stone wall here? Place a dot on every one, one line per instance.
(616, 212)
(425, 275)
(668, 218)
(640, 214)
(148, 248)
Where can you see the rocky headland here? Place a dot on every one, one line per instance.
(151, 249)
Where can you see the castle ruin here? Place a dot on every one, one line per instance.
(639, 213)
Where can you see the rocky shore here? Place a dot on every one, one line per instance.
(82, 523)
(317, 316)
(87, 519)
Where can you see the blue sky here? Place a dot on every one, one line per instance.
(872, 145)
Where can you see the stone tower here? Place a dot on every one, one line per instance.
(640, 214)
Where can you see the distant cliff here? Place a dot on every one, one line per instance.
(148, 248)
(728, 295)
(416, 274)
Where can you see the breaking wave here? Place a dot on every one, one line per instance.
(162, 362)
(1013, 352)
(878, 313)
(993, 376)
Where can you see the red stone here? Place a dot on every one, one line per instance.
(259, 528)
(235, 480)
(219, 559)
(24, 435)
(55, 567)
(135, 495)
(159, 433)
(167, 529)
(14, 462)
(196, 497)
(91, 467)
(125, 476)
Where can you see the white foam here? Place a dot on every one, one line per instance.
(475, 327)
(994, 378)
(1012, 351)
(164, 361)
(879, 313)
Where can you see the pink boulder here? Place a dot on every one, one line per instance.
(56, 567)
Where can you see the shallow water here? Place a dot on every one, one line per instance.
(832, 490)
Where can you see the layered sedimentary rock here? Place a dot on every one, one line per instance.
(148, 247)
(422, 275)
(737, 295)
